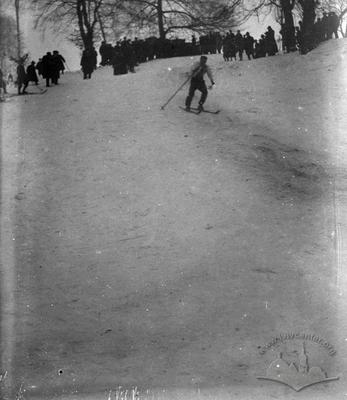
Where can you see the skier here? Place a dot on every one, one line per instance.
(198, 71)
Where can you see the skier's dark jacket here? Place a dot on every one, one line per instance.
(198, 71)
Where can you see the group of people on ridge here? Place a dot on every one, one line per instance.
(234, 45)
(49, 67)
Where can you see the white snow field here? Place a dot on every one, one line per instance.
(161, 250)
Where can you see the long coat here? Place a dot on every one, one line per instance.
(88, 61)
(48, 66)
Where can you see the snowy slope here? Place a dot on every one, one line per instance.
(158, 248)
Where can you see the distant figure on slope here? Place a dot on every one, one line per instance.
(59, 60)
(88, 63)
(31, 73)
(47, 66)
(2, 82)
(22, 79)
(198, 71)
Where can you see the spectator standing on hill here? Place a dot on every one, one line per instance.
(129, 55)
(88, 63)
(325, 26)
(103, 53)
(249, 45)
(2, 82)
(39, 67)
(239, 44)
(199, 69)
(333, 25)
(47, 67)
(22, 80)
(270, 42)
(31, 73)
(59, 60)
(118, 61)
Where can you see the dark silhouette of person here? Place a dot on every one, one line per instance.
(270, 42)
(118, 61)
(199, 69)
(325, 25)
(229, 49)
(39, 67)
(103, 53)
(249, 45)
(22, 80)
(3, 82)
(129, 55)
(88, 63)
(333, 25)
(239, 44)
(95, 58)
(59, 60)
(48, 68)
(31, 73)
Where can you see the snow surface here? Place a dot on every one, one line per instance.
(159, 249)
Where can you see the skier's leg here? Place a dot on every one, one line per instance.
(26, 83)
(204, 92)
(190, 96)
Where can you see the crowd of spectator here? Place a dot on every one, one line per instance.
(49, 67)
(127, 54)
(324, 28)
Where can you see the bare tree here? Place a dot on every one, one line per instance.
(19, 44)
(10, 31)
(307, 9)
(340, 8)
(85, 18)
(283, 12)
(8, 41)
(173, 15)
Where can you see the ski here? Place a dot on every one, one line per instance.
(206, 111)
(190, 111)
(9, 95)
(43, 91)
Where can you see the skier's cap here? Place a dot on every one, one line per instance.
(203, 58)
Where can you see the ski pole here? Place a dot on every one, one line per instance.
(183, 84)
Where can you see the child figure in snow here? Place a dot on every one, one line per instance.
(198, 71)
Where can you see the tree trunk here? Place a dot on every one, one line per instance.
(19, 44)
(309, 16)
(288, 29)
(86, 30)
(162, 32)
(101, 27)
